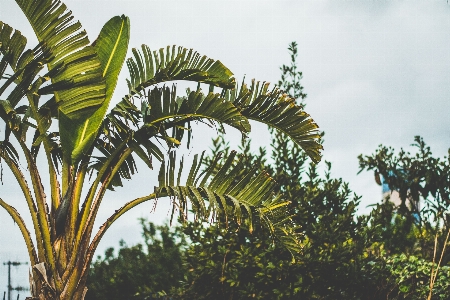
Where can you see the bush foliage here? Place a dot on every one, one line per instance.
(389, 254)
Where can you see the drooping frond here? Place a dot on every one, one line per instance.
(148, 67)
(278, 110)
(163, 110)
(166, 117)
(26, 78)
(122, 117)
(25, 67)
(12, 44)
(217, 194)
(108, 150)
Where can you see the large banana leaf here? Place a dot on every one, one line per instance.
(278, 110)
(218, 195)
(175, 63)
(111, 47)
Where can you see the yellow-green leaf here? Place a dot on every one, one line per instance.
(111, 47)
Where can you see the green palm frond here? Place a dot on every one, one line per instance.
(163, 110)
(27, 80)
(124, 116)
(278, 110)
(146, 151)
(114, 132)
(148, 67)
(26, 66)
(164, 116)
(126, 170)
(216, 194)
(12, 44)
(7, 150)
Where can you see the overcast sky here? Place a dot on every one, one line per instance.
(376, 72)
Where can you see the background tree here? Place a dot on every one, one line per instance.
(64, 108)
(412, 234)
(240, 265)
(150, 269)
(423, 184)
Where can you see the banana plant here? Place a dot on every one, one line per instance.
(55, 103)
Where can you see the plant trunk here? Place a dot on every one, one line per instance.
(72, 283)
(41, 289)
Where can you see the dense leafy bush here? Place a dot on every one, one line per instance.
(153, 268)
(242, 265)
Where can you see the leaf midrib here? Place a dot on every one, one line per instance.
(114, 50)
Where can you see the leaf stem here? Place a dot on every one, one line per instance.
(111, 220)
(29, 199)
(23, 229)
(41, 212)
